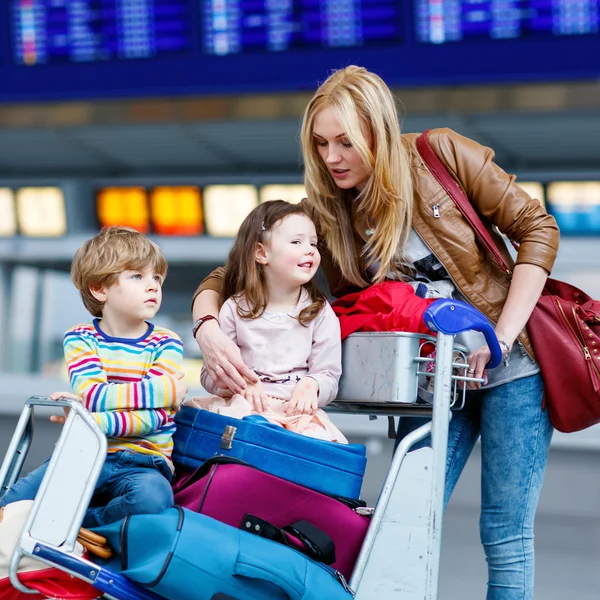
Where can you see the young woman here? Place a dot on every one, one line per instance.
(282, 324)
(382, 215)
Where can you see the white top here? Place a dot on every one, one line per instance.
(281, 351)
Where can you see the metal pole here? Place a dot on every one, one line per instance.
(439, 444)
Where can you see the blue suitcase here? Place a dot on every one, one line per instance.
(328, 467)
(182, 555)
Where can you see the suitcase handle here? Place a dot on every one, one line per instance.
(281, 581)
(312, 541)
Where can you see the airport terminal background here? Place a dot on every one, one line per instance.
(177, 117)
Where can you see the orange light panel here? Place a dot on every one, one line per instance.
(8, 218)
(535, 189)
(176, 210)
(290, 192)
(41, 211)
(226, 206)
(124, 206)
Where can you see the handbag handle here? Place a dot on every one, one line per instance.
(445, 179)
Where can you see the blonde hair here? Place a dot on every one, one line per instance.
(245, 277)
(361, 98)
(100, 261)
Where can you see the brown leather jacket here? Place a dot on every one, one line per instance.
(498, 200)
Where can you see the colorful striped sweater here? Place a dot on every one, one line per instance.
(127, 385)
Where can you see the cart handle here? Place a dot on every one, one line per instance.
(452, 317)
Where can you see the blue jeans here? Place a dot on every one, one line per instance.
(130, 483)
(515, 437)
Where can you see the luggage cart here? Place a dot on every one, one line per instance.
(399, 558)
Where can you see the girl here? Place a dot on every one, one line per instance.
(383, 215)
(283, 326)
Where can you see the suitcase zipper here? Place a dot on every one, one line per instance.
(204, 469)
(364, 511)
(344, 583)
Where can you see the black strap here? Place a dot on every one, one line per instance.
(392, 431)
(320, 544)
(317, 544)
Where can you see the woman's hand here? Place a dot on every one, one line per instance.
(304, 400)
(477, 362)
(223, 359)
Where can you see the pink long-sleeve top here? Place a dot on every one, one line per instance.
(282, 351)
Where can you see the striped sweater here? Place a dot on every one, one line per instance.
(127, 385)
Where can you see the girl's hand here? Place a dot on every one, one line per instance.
(60, 396)
(223, 359)
(304, 400)
(255, 394)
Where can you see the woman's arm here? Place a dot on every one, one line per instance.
(498, 198)
(525, 289)
(222, 359)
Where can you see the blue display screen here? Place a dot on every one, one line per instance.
(441, 21)
(53, 31)
(69, 49)
(233, 26)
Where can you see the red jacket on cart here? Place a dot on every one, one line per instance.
(386, 306)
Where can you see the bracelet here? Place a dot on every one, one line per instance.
(199, 322)
(505, 348)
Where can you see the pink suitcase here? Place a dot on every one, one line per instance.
(329, 529)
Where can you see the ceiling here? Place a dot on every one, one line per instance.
(38, 141)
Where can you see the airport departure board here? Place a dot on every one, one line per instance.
(71, 49)
(48, 31)
(233, 26)
(440, 21)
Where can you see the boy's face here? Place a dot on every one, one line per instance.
(135, 295)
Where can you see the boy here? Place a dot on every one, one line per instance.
(126, 372)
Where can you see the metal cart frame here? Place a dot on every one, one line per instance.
(400, 555)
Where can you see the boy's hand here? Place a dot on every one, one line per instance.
(60, 396)
(255, 394)
(304, 400)
(180, 389)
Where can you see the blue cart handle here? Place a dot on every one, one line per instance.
(452, 317)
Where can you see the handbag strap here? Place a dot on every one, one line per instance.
(445, 179)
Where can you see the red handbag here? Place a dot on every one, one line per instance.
(564, 327)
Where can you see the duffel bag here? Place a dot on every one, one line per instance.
(183, 555)
(326, 528)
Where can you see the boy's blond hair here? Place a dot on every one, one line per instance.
(100, 261)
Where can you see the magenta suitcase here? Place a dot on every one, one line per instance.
(329, 529)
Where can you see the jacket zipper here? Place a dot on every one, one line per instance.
(436, 207)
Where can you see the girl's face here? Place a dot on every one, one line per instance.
(342, 160)
(290, 257)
